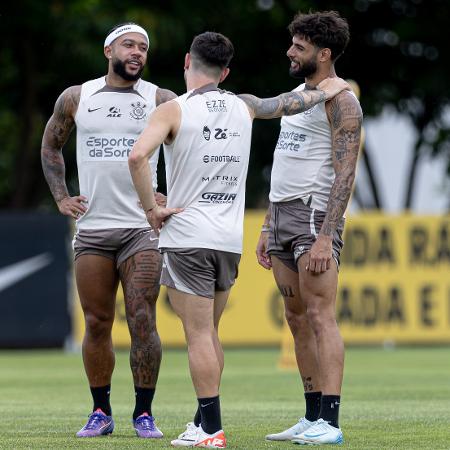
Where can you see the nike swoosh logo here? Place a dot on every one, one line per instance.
(314, 435)
(12, 274)
(204, 406)
(94, 109)
(152, 239)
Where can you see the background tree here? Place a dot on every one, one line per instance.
(398, 54)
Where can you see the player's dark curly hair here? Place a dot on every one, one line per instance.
(326, 29)
(211, 49)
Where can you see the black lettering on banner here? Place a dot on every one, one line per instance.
(344, 310)
(363, 247)
(418, 241)
(386, 249)
(443, 251)
(396, 304)
(448, 306)
(276, 307)
(426, 305)
(370, 305)
(428, 250)
(356, 247)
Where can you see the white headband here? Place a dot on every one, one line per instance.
(129, 28)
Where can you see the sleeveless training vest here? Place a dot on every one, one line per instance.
(206, 172)
(109, 121)
(302, 162)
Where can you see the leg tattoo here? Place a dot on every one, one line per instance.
(140, 280)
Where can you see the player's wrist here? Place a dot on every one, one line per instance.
(325, 237)
(61, 199)
(149, 210)
(265, 228)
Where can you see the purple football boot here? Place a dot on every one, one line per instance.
(145, 427)
(98, 424)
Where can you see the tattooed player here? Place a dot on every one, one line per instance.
(301, 239)
(206, 125)
(113, 240)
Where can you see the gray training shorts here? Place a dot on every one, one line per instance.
(199, 271)
(294, 227)
(117, 244)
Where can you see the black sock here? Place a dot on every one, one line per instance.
(144, 398)
(197, 417)
(210, 412)
(312, 405)
(100, 395)
(329, 409)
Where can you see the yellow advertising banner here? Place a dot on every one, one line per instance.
(395, 281)
(394, 287)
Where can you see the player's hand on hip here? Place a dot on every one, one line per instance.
(73, 206)
(161, 199)
(320, 254)
(261, 251)
(158, 215)
(332, 86)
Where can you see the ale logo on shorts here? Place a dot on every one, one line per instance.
(217, 197)
(138, 111)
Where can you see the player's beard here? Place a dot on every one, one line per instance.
(305, 70)
(119, 69)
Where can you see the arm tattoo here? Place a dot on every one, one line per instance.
(55, 136)
(345, 117)
(164, 95)
(286, 104)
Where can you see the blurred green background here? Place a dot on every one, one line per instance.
(399, 55)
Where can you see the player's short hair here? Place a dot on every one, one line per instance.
(212, 51)
(325, 29)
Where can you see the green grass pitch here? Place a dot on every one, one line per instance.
(392, 399)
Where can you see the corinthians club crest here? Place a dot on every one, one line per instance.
(138, 111)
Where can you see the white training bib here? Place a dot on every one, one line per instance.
(206, 172)
(109, 121)
(302, 161)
